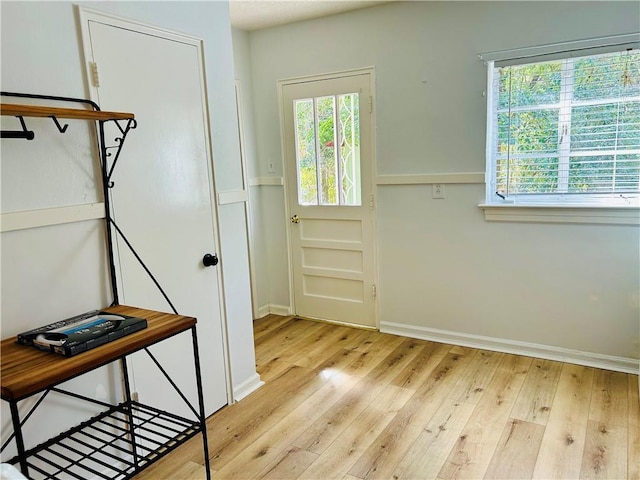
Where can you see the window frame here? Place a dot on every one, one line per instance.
(554, 207)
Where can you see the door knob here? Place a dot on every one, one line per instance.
(295, 219)
(210, 260)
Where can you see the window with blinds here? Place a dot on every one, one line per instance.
(565, 130)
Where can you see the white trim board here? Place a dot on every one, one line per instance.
(430, 178)
(271, 309)
(262, 312)
(601, 215)
(550, 51)
(51, 216)
(547, 352)
(280, 309)
(250, 385)
(232, 196)
(266, 181)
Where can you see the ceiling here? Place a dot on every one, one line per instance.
(257, 14)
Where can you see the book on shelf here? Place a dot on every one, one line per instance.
(82, 332)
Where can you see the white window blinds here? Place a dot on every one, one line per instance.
(565, 129)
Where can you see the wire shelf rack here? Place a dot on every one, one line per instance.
(116, 444)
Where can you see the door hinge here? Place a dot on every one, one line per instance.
(95, 77)
(371, 202)
(374, 291)
(370, 104)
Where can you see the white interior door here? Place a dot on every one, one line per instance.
(163, 198)
(328, 164)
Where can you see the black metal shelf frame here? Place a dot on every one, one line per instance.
(106, 154)
(133, 434)
(103, 446)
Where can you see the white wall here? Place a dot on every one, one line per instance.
(53, 272)
(440, 264)
(242, 64)
(267, 201)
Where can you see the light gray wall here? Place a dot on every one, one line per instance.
(53, 272)
(267, 201)
(242, 64)
(440, 264)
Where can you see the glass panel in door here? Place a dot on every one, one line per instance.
(327, 137)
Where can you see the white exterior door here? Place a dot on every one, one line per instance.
(163, 198)
(328, 143)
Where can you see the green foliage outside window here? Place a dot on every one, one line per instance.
(317, 152)
(569, 126)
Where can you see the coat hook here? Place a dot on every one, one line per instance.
(61, 128)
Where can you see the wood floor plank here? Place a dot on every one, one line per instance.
(605, 452)
(386, 369)
(460, 350)
(473, 451)
(633, 429)
(309, 422)
(338, 361)
(368, 338)
(274, 332)
(610, 398)
(272, 369)
(563, 442)
(414, 374)
(534, 402)
(234, 428)
(323, 336)
(266, 324)
(284, 340)
(377, 339)
(337, 339)
(474, 380)
(371, 351)
(265, 449)
(432, 447)
(517, 451)
(179, 469)
(388, 449)
(392, 399)
(336, 460)
(290, 464)
(321, 433)
(290, 345)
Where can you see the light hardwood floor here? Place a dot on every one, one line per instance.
(343, 403)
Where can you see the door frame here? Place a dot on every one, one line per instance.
(85, 15)
(371, 73)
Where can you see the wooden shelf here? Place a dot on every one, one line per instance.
(122, 440)
(73, 113)
(27, 370)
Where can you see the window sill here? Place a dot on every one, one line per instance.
(600, 215)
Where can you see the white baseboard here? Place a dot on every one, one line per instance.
(250, 385)
(262, 312)
(548, 352)
(279, 309)
(272, 309)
